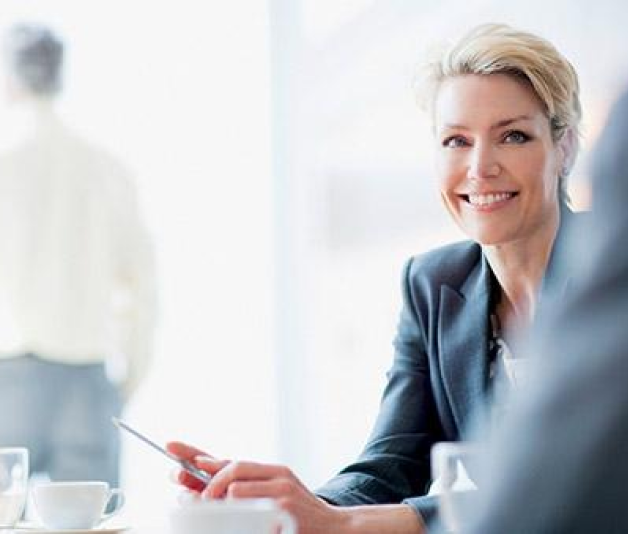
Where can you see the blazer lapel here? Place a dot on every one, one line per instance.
(557, 280)
(463, 342)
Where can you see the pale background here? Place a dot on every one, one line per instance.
(285, 173)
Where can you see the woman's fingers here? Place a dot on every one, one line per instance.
(184, 451)
(198, 458)
(234, 479)
(243, 471)
(190, 481)
(246, 480)
(273, 489)
(210, 465)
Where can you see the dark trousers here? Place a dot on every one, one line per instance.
(62, 414)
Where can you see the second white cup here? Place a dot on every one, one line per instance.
(231, 516)
(75, 505)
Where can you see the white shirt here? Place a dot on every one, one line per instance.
(76, 266)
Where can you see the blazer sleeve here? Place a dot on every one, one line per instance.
(394, 466)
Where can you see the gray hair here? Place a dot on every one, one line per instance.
(34, 56)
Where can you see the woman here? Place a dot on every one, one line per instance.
(505, 111)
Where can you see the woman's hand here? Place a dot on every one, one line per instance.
(255, 480)
(194, 455)
(313, 515)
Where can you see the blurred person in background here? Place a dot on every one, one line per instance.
(558, 465)
(506, 112)
(76, 279)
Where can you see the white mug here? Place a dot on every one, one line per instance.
(75, 505)
(230, 516)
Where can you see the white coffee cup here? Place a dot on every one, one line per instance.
(75, 505)
(230, 516)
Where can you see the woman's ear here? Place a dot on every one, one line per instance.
(568, 149)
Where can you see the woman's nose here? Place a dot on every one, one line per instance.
(483, 163)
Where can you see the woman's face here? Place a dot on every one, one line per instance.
(497, 163)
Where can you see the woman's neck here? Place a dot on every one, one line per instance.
(519, 268)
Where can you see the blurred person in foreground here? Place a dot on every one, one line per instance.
(559, 465)
(505, 111)
(76, 278)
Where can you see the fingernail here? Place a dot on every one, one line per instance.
(204, 459)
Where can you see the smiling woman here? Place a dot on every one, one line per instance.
(498, 164)
(506, 111)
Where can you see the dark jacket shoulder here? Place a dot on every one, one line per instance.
(448, 265)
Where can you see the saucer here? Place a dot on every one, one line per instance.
(95, 530)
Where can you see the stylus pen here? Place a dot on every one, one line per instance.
(184, 464)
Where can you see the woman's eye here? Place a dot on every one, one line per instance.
(516, 137)
(455, 142)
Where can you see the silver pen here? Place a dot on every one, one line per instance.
(184, 464)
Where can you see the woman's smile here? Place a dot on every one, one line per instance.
(488, 202)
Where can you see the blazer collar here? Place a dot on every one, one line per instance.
(463, 341)
(556, 280)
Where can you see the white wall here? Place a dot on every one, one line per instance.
(180, 91)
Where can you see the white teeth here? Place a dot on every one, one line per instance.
(491, 198)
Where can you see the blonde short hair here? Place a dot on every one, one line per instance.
(500, 49)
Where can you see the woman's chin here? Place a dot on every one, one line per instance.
(488, 239)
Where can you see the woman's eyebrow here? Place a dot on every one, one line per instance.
(499, 124)
(507, 122)
(454, 126)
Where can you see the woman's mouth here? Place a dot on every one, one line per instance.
(488, 200)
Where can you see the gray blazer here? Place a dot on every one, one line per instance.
(439, 377)
(562, 459)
